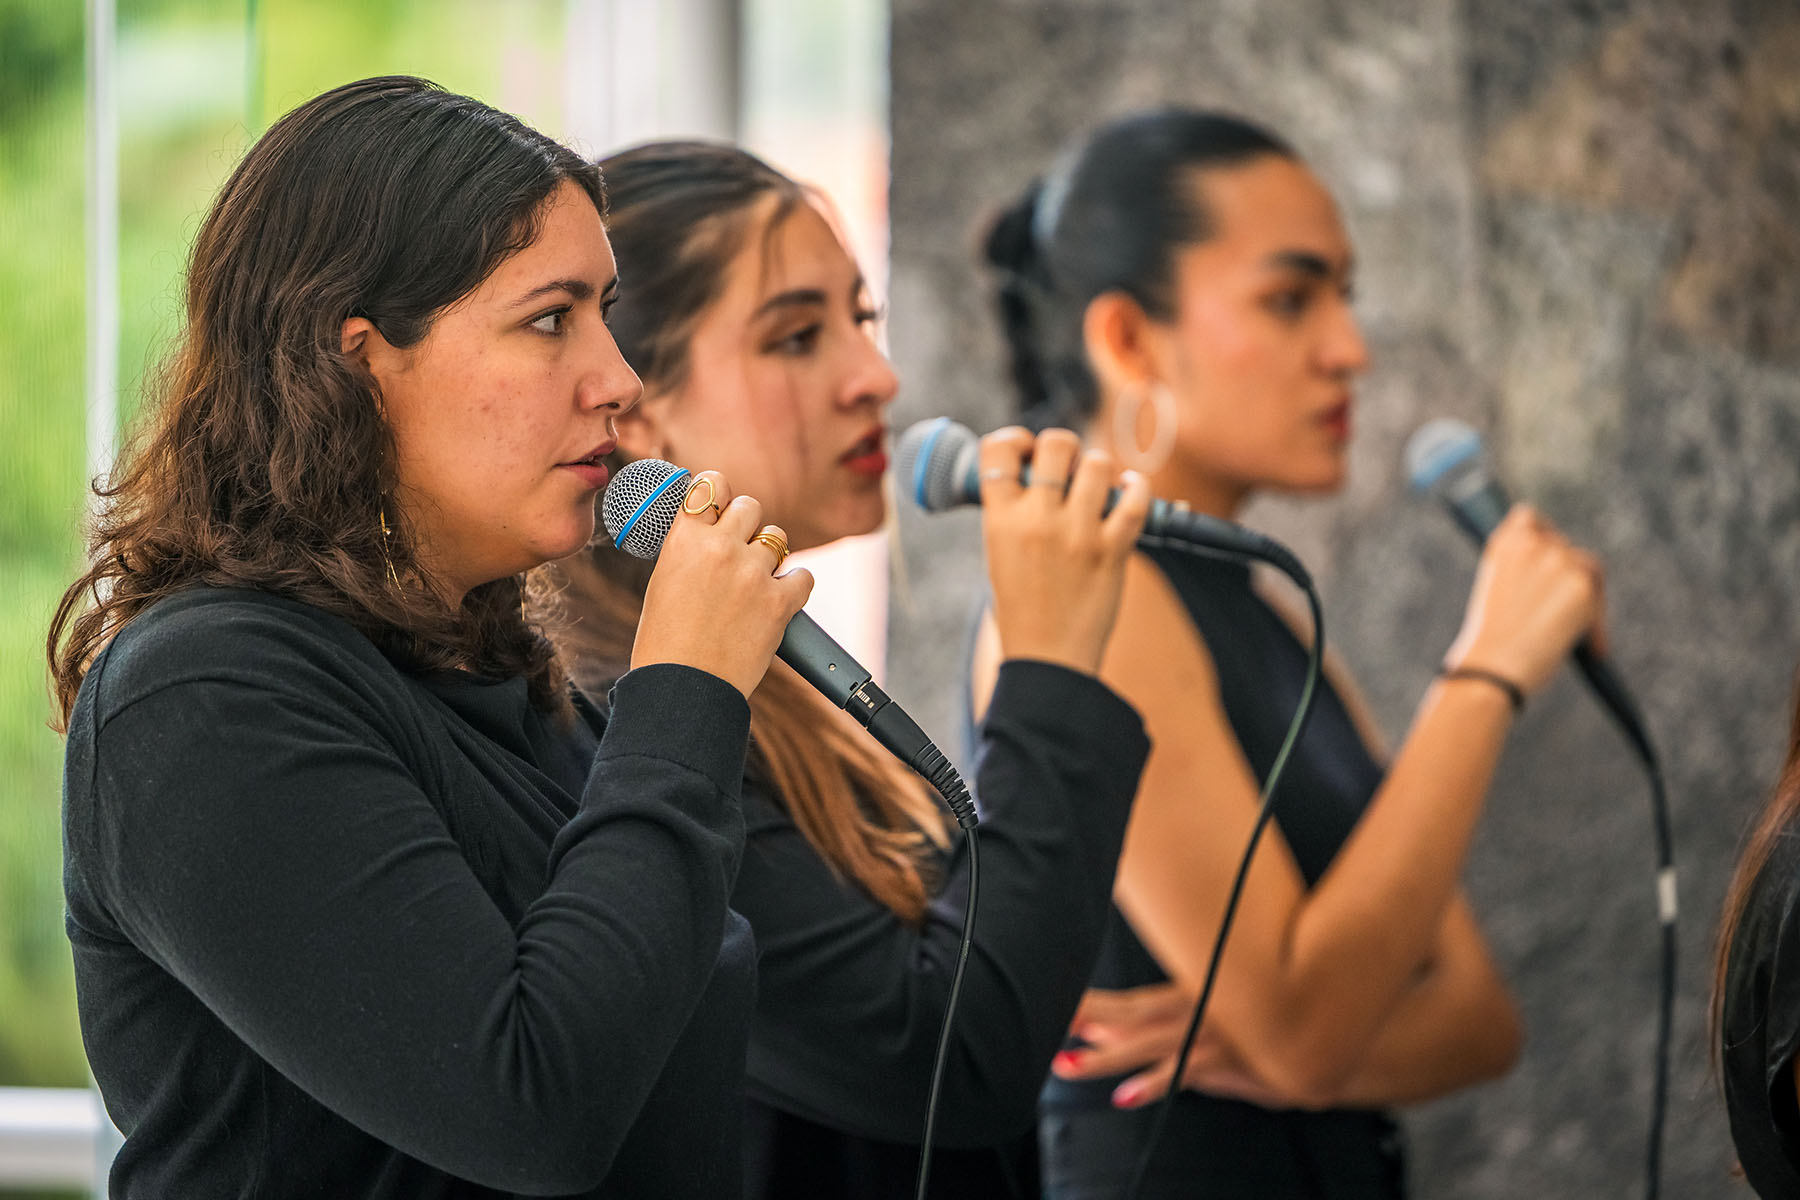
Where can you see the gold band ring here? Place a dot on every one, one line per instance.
(996, 473)
(1047, 481)
(712, 498)
(772, 537)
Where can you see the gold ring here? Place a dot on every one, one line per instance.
(1037, 481)
(997, 473)
(712, 497)
(772, 537)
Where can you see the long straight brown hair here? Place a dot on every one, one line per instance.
(264, 461)
(1779, 818)
(678, 213)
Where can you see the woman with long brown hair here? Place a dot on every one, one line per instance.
(752, 329)
(364, 900)
(1756, 991)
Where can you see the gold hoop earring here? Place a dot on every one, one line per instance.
(1146, 460)
(387, 539)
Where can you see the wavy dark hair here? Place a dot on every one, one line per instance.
(264, 461)
(1109, 216)
(679, 213)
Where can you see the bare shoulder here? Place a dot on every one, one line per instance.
(1157, 659)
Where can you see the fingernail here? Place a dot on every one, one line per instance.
(1065, 1060)
(1128, 1094)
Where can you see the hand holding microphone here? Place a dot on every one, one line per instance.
(1444, 459)
(714, 601)
(1056, 546)
(1535, 597)
(937, 463)
(646, 503)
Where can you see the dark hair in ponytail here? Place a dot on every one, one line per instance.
(1109, 217)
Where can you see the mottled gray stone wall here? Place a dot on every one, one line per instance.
(1578, 227)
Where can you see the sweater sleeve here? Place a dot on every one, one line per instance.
(851, 998)
(265, 842)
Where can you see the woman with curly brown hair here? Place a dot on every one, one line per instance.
(364, 900)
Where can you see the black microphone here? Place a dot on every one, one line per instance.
(1444, 459)
(641, 504)
(937, 464)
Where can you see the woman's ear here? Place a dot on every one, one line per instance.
(1118, 335)
(363, 345)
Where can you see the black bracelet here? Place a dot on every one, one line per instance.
(1515, 695)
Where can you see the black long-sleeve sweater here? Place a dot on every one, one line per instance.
(850, 997)
(344, 931)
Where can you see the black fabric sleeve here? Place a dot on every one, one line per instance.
(850, 998)
(272, 850)
(1780, 1025)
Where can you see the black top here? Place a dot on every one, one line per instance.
(851, 998)
(1761, 1026)
(340, 930)
(1329, 780)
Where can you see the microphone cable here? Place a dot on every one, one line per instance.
(1665, 1007)
(1444, 458)
(1619, 705)
(1637, 737)
(955, 792)
(1296, 727)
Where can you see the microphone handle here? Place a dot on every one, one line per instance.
(816, 656)
(1478, 509)
(819, 660)
(1167, 522)
(1617, 701)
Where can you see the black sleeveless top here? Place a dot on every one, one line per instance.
(1329, 780)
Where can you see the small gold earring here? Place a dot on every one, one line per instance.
(387, 538)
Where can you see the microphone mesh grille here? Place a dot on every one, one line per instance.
(633, 485)
(1439, 450)
(926, 459)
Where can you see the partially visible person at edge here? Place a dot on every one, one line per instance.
(753, 331)
(1756, 991)
(1179, 288)
(364, 900)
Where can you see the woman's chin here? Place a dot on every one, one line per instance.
(576, 538)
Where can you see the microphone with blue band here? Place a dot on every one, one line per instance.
(937, 463)
(640, 507)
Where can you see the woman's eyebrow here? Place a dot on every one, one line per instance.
(795, 298)
(1308, 262)
(580, 289)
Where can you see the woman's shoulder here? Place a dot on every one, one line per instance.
(215, 634)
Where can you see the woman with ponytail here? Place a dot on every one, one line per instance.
(753, 331)
(1178, 289)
